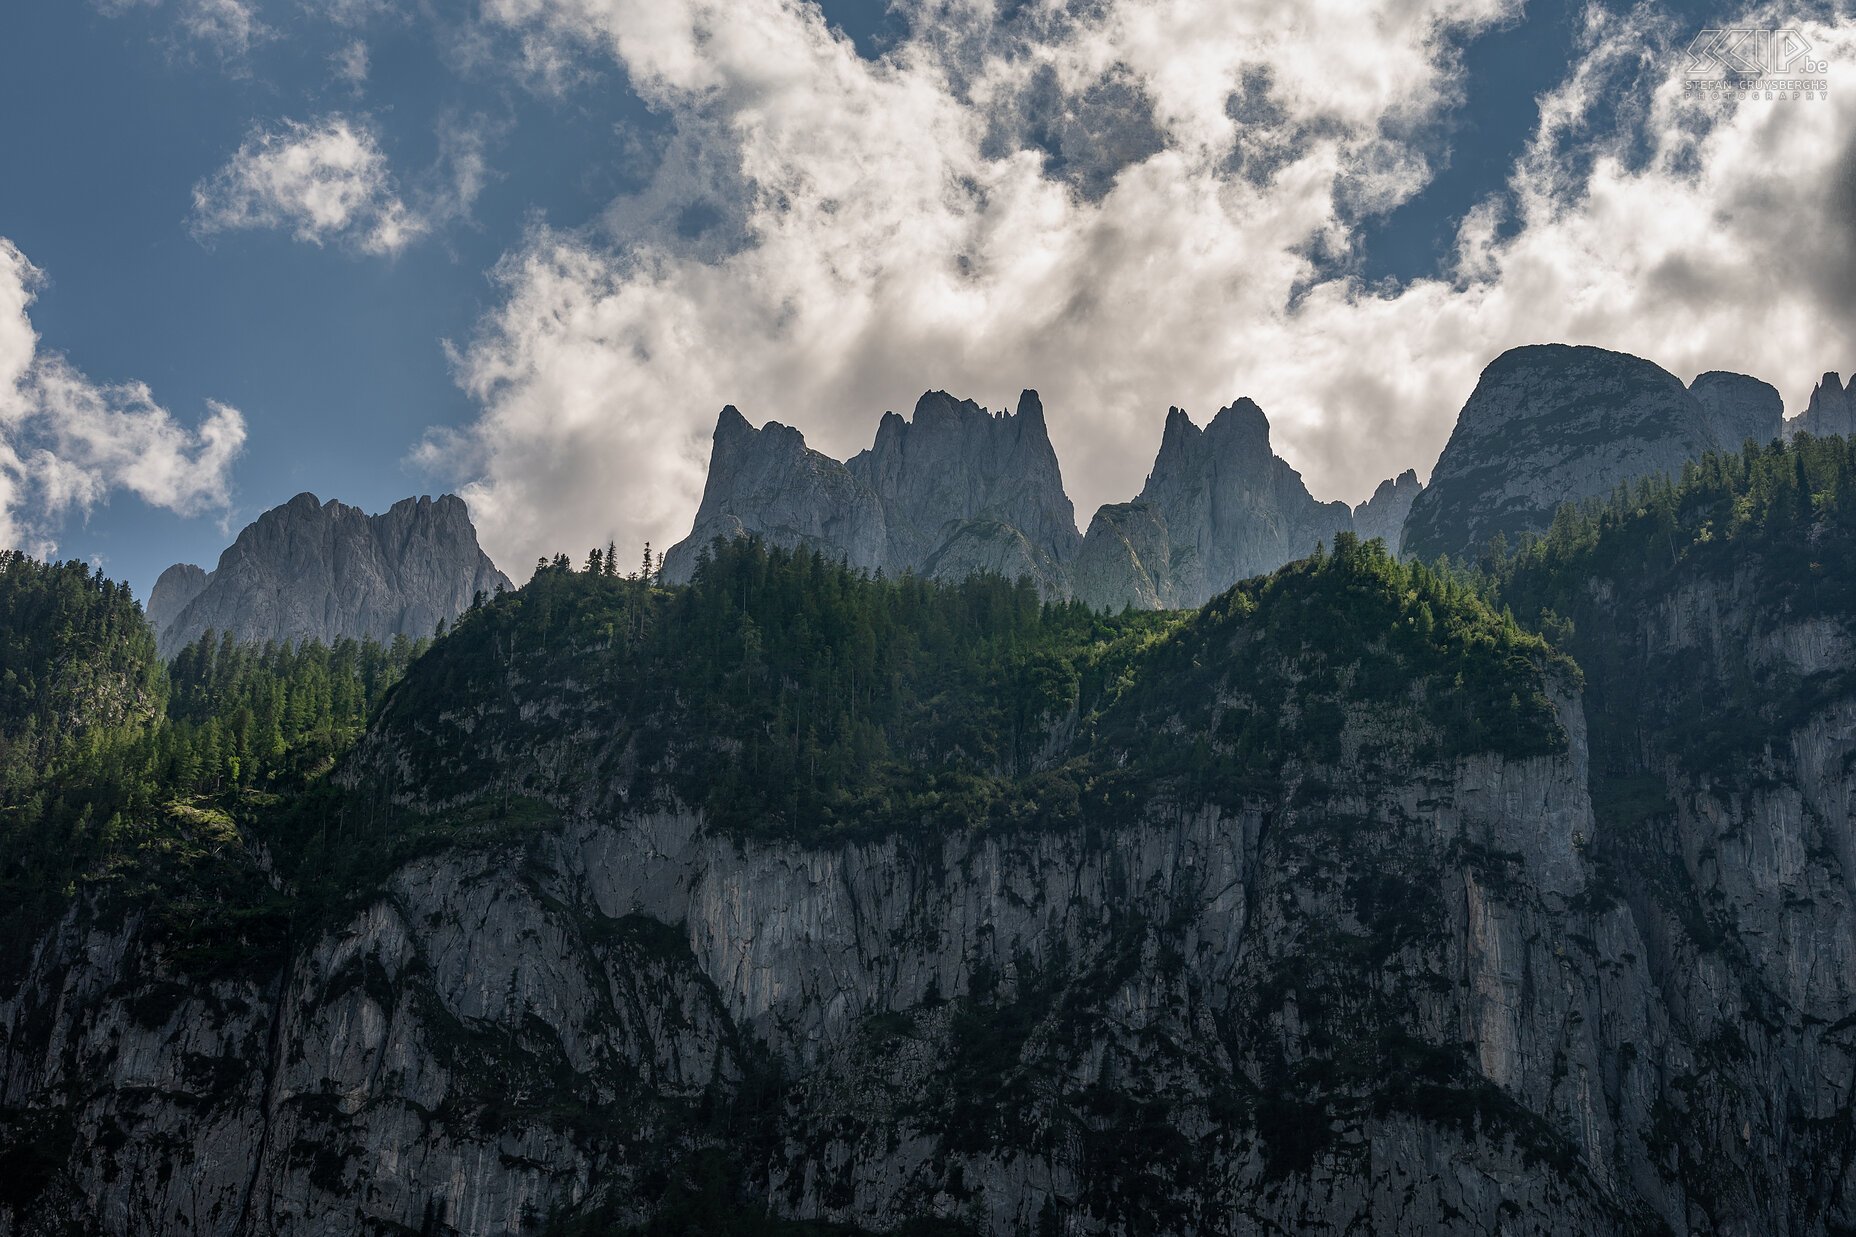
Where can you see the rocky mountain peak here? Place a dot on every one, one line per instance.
(1383, 515)
(953, 462)
(1231, 508)
(1737, 408)
(769, 483)
(1832, 410)
(1548, 424)
(174, 589)
(310, 570)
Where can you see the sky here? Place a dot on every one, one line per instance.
(525, 250)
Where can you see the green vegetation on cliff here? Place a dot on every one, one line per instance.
(786, 695)
(1636, 588)
(113, 767)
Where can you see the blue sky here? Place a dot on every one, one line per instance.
(588, 146)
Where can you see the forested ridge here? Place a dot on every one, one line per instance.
(786, 694)
(114, 767)
(1323, 797)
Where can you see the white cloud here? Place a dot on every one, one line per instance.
(66, 443)
(463, 168)
(325, 181)
(356, 12)
(351, 63)
(230, 26)
(1127, 204)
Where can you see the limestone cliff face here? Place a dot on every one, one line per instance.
(954, 463)
(1232, 508)
(1126, 559)
(956, 489)
(310, 570)
(1392, 993)
(1737, 409)
(1383, 515)
(1832, 410)
(174, 591)
(1549, 424)
(767, 482)
(952, 491)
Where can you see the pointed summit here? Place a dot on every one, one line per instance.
(1229, 506)
(1383, 515)
(1832, 410)
(768, 483)
(954, 463)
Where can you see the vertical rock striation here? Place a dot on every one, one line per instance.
(310, 570)
(768, 483)
(1231, 507)
(1549, 424)
(1737, 409)
(1383, 515)
(1832, 410)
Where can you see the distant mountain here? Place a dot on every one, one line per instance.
(174, 591)
(310, 570)
(769, 483)
(957, 489)
(964, 489)
(1383, 515)
(954, 490)
(1737, 409)
(1832, 410)
(1547, 424)
(1219, 506)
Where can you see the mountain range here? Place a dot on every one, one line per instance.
(955, 489)
(316, 571)
(1370, 896)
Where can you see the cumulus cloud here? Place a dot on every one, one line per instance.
(66, 443)
(324, 181)
(1127, 204)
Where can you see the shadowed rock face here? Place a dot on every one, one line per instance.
(1549, 424)
(954, 490)
(1232, 508)
(1737, 409)
(310, 570)
(1587, 990)
(1832, 410)
(1383, 515)
(769, 483)
(1124, 560)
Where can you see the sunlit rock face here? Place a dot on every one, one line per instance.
(310, 570)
